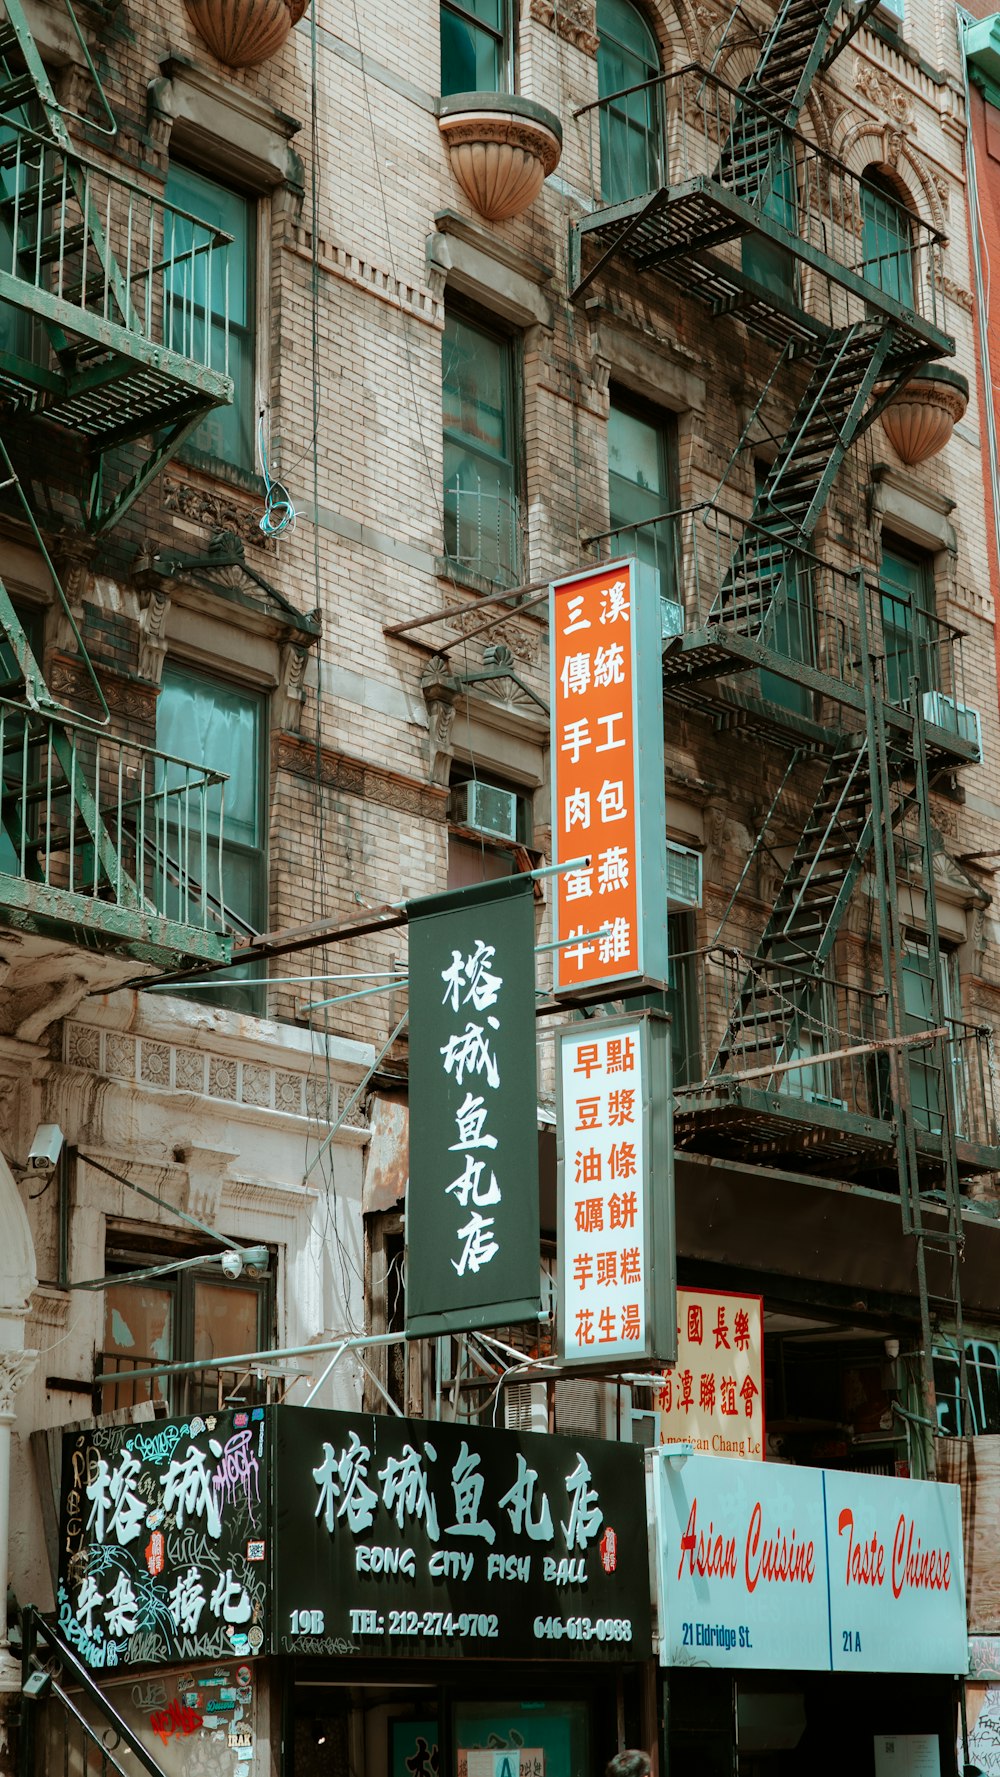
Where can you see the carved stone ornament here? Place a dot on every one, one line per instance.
(573, 20)
(290, 697)
(218, 511)
(501, 147)
(15, 1368)
(440, 690)
(243, 33)
(880, 89)
(153, 630)
(920, 420)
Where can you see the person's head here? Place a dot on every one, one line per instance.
(629, 1764)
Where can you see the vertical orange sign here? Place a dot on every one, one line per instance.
(607, 780)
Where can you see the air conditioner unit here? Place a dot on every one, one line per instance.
(485, 807)
(671, 619)
(683, 875)
(955, 718)
(809, 1095)
(525, 1407)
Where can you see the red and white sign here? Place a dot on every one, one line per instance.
(603, 1235)
(805, 1569)
(607, 780)
(713, 1398)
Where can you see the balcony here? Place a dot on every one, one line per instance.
(109, 845)
(736, 598)
(685, 167)
(114, 309)
(783, 1067)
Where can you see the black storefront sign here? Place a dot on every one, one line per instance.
(415, 1538)
(164, 1540)
(472, 1196)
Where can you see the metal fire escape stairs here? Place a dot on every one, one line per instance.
(110, 279)
(874, 798)
(93, 295)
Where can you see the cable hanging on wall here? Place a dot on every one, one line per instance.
(279, 514)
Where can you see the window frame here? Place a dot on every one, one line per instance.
(895, 263)
(256, 331)
(135, 1250)
(511, 342)
(256, 997)
(663, 421)
(503, 38)
(921, 629)
(613, 119)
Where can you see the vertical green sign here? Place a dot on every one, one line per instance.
(472, 1197)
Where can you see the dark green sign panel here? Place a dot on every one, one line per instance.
(472, 1197)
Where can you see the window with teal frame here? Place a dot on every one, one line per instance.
(223, 727)
(909, 628)
(790, 626)
(632, 156)
(887, 243)
(642, 480)
(475, 46)
(200, 293)
(769, 262)
(482, 451)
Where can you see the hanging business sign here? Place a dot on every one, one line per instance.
(616, 1253)
(801, 1569)
(472, 1197)
(402, 1536)
(713, 1398)
(608, 801)
(164, 1540)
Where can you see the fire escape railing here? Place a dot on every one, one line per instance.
(92, 1744)
(730, 165)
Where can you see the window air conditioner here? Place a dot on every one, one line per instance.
(485, 807)
(683, 875)
(525, 1407)
(809, 1095)
(955, 718)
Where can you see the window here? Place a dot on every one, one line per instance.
(682, 998)
(887, 248)
(632, 159)
(482, 459)
(766, 261)
(642, 482)
(490, 829)
(224, 285)
(909, 628)
(220, 726)
(475, 48)
(181, 1317)
(927, 1085)
(790, 626)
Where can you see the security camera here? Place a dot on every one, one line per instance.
(256, 1259)
(46, 1147)
(232, 1264)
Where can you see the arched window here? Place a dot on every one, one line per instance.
(631, 128)
(887, 247)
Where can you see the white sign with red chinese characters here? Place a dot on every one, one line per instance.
(603, 1231)
(607, 780)
(714, 1398)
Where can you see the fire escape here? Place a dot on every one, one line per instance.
(111, 352)
(725, 197)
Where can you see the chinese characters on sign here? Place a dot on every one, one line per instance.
(781, 1568)
(163, 1542)
(616, 1198)
(714, 1396)
(420, 1537)
(607, 780)
(473, 1187)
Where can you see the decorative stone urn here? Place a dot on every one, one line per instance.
(502, 148)
(244, 32)
(920, 420)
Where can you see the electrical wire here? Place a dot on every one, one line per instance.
(279, 515)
